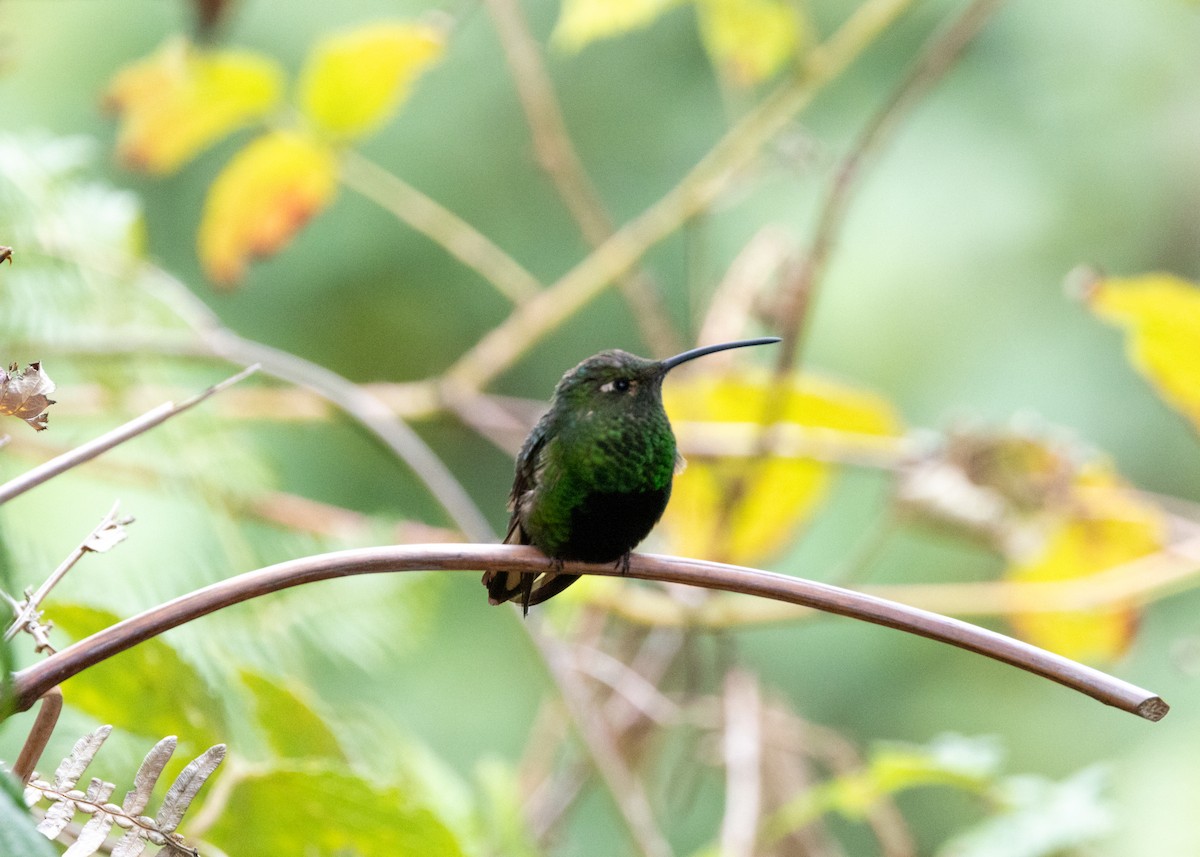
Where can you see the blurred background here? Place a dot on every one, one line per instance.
(1066, 134)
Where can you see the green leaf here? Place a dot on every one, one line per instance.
(354, 80)
(18, 837)
(293, 729)
(323, 810)
(1041, 819)
(956, 761)
(149, 689)
(503, 815)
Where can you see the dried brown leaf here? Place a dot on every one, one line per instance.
(25, 394)
(56, 819)
(149, 772)
(5, 254)
(132, 844)
(186, 786)
(93, 834)
(71, 768)
(107, 536)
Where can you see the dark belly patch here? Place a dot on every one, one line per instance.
(606, 526)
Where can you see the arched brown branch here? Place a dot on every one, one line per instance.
(30, 683)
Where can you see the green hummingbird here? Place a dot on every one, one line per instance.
(594, 475)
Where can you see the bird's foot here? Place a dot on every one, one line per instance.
(622, 564)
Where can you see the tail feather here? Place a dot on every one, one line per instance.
(506, 585)
(529, 587)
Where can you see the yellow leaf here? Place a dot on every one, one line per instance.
(1161, 317)
(265, 194)
(354, 80)
(743, 510)
(582, 22)
(181, 99)
(1104, 525)
(750, 41)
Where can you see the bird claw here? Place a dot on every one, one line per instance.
(622, 564)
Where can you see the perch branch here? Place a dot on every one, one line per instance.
(30, 683)
(102, 444)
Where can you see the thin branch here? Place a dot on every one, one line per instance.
(936, 58)
(742, 745)
(558, 159)
(93, 448)
(314, 387)
(33, 681)
(626, 790)
(39, 735)
(100, 538)
(373, 415)
(698, 190)
(457, 237)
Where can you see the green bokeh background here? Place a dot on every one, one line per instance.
(1069, 133)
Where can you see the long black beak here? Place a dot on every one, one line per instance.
(671, 362)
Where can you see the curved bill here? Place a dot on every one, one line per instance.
(671, 362)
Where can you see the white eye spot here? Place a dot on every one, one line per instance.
(620, 385)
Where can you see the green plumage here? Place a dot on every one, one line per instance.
(594, 475)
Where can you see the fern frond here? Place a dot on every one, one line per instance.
(139, 830)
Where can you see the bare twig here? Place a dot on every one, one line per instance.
(698, 190)
(102, 444)
(39, 735)
(103, 536)
(373, 415)
(31, 682)
(934, 60)
(461, 240)
(626, 790)
(559, 160)
(742, 745)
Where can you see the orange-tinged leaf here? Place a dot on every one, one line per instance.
(354, 80)
(582, 22)
(744, 510)
(1161, 317)
(750, 41)
(181, 99)
(262, 198)
(1104, 525)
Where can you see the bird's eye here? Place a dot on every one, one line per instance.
(620, 385)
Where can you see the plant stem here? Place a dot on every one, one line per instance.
(936, 58)
(97, 446)
(558, 159)
(531, 321)
(457, 237)
(30, 683)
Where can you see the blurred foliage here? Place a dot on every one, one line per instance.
(1160, 313)
(374, 716)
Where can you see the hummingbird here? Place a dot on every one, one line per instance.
(594, 475)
